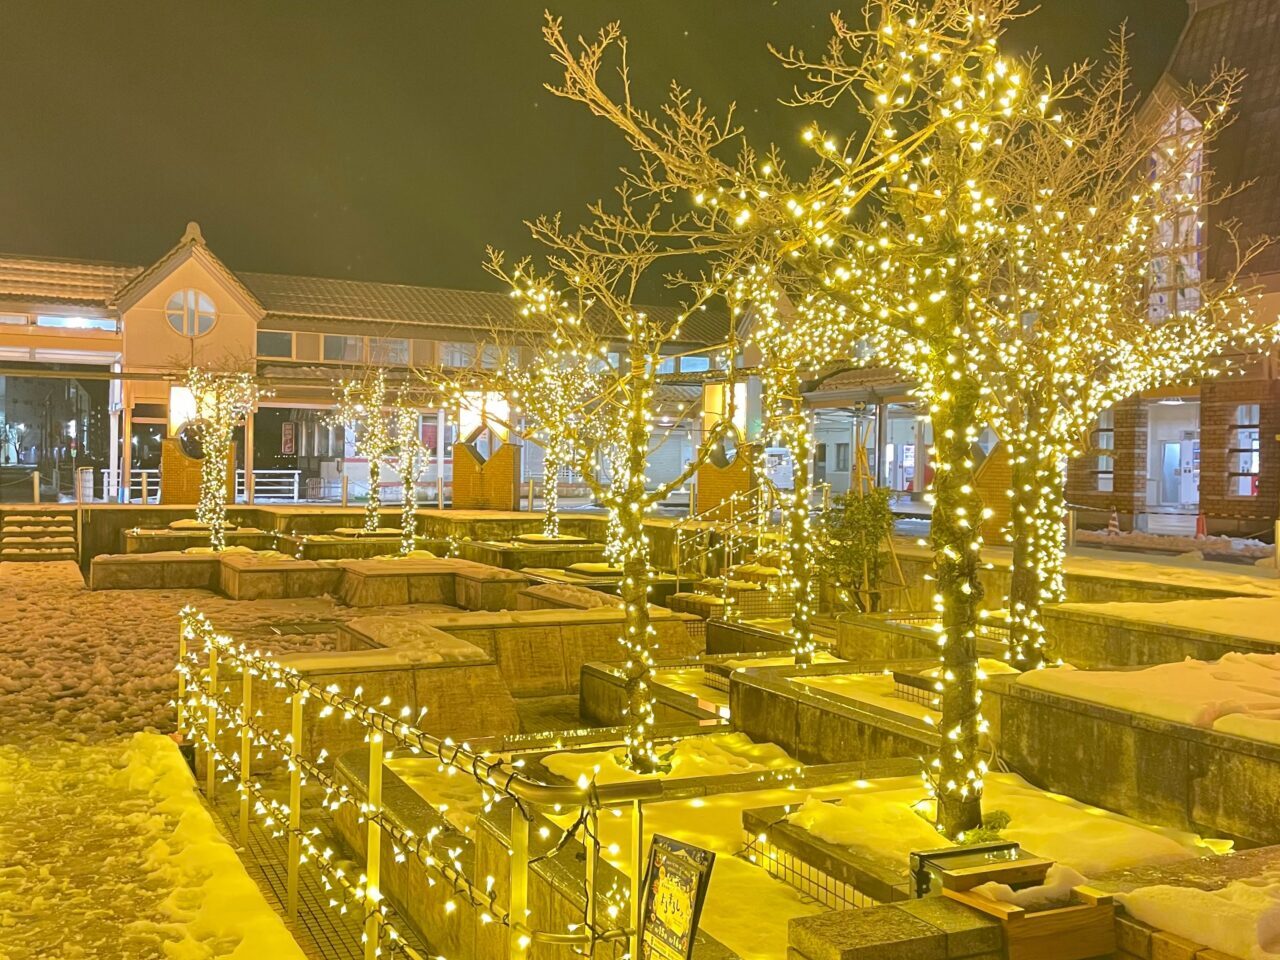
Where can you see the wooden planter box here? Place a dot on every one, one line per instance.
(1084, 928)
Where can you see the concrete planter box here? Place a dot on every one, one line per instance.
(151, 541)
(516, 555)
(602, 700)
(378, 583)
(538, 652)
(1087, 638)
(249, 577)
(1150, 769)
(1081, 588)
(154, 571)
(817, 727)
(307, 547)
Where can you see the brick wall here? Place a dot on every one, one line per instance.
(717, 482)
(1129, 482)
(1218, 402)
(180, 475)
(480, 484)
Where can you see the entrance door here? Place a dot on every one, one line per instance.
(1180, 473)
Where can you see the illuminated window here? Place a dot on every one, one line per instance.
(1104, 438)
(1244, 448)
(1175, 272)
(78, 323)
(191, 312)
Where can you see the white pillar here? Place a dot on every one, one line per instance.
(126, 458)
(113, 457)
(441, 424)
(248, 458)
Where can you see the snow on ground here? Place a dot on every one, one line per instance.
(1210, 548)
(122, 860)
(1242, 919)
(1253, 618)
(1239, 694)
(91, 665)
(889, 818)
(879, 689)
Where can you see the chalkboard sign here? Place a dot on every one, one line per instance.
(675, 886)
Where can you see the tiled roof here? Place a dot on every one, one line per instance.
(320, 298)
(1242, 34)
(46, 280)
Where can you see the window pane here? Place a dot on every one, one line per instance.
(343, 349)
(694, 364)
(388, 350)
(13, 319)
(275, 343)
(77, 323)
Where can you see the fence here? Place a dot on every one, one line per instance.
(216, 705)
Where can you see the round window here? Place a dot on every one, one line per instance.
(191, 312)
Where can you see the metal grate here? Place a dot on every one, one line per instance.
(804, 876)
(322, 931)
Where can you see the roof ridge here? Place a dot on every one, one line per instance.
(76, 261)
(380, 283)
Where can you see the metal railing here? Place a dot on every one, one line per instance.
(272, 485)
(144, 485)
(218, 683)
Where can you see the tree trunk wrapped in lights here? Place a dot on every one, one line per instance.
(223, 400)
(361, 408)
(412, 459)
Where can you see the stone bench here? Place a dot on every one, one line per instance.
(389, 582)
(539, 652)
(255, 576)
(154, 571)
(517, 554)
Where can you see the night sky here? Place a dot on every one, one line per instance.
(386, 140)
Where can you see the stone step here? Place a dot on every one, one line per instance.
(8, 539)
(9, 528)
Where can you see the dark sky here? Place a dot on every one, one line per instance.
(376, 139)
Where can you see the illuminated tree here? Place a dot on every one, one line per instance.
(222, 401)
(876, 240)
(558, 393)
(361, 407)
(588, 295)
(1065, 294)
(411, 459)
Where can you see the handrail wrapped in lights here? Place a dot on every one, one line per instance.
(209, 709)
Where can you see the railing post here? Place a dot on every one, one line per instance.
(637, 874)
(295, 803)
(373, 847)
(345, 487)
(297, 484)
(211, 725)
(518, 895)
(35, 486)
(146, 493)
(182, 678)
(591, 841)
(246, 749)
(1071, 527)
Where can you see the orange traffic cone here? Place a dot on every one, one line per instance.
(1113, 525)
(1201, 531)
